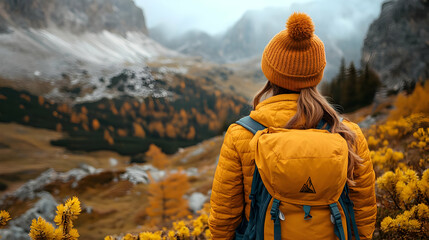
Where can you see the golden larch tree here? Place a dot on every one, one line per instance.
(166, 202)
(184, 116)
(108, 137)
(138, 130)
(84, 110)
(113, 109)
(142, 109)
(41, 100)
(176, 185)
(95, 124)
(74, 118)
(191, 133)
(150, 104)
(158, 127)
(122, 132)
(157, 157)
(170, 130)
(125, 109)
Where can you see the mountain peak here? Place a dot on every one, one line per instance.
(77, 16)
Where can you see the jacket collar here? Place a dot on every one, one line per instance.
(278, 98)
(275, 111)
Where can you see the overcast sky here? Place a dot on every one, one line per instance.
(212, 16)
(216, 16)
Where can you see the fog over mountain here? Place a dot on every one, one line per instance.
(341, 25)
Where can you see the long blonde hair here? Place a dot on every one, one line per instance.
(311, 108)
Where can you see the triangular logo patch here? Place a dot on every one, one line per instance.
(308, 187)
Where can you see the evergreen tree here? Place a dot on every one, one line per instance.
(349, 88)
(352, 88)
(340, 83)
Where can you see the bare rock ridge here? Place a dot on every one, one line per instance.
(77, 16)
(45, 39)
(397, 43)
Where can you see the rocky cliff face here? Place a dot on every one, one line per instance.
(77, 16)
(397, 43)
(45, 40)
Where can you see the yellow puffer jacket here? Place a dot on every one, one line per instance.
(233, 177)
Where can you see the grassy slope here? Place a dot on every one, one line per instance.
(116, 206)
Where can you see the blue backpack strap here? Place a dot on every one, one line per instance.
(338, 225)
(348, 210)
(260, 199)
(250, 124)
(322, 123)
(275, 213)
(307, 210)
(345, 207)
(254, 126)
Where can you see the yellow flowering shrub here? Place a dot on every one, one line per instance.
(408, 225)
(423, 184)
(4, 217)
(403, 188)
(386, 158)
(395, 129)
(42, 230)
(417, 102)
(192, 228)
(373, 142)
(422, 139)
(66, 214)
(129, 236)
(150, 236)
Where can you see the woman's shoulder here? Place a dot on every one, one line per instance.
(353, 126)
(237, 132)
(360, 137)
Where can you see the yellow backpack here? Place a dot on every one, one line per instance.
(299, 188)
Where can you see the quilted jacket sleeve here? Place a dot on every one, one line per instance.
(227, 199)
(363, 193)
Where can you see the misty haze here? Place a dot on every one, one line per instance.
(114, 113)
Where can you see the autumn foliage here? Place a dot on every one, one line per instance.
(400, 154)
(166, 202)
(417, 102)
(194, 114)
(157, 157)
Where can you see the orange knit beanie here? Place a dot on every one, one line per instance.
(295, 58)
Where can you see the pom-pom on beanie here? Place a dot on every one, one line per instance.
(295, 58)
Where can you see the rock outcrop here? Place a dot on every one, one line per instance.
(18, 228)
(77, 16)
(397, 43)
(47, 39)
